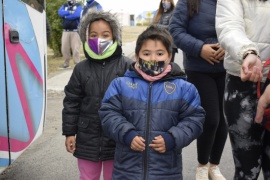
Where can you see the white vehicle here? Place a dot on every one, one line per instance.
(23, 61)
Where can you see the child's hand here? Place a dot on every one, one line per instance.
(158, 144)
(137, 144)
(70, 144)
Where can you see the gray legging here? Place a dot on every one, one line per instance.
(211, 143)
(250, 142)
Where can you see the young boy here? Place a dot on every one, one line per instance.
(152, 112)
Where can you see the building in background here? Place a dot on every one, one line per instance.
(124, 18)
(145, 18)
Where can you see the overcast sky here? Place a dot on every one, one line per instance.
(130, 6)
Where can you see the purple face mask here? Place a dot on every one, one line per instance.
(99, 46)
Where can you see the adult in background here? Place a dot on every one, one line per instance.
(94, 5)
(193, 29)
(70, 13)
(163, 17)
(243, 30)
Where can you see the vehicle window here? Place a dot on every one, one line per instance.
(36, 4)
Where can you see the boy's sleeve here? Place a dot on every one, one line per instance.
(191, 118)
(113, 121)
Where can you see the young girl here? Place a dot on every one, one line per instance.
(163, 17)
(151, 112)
(100, 35)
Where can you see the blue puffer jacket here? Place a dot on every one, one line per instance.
(191, 33)
(91, 4)
(168, 106)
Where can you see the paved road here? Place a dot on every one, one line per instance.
(47, 159)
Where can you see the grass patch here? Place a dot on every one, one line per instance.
(129, 34)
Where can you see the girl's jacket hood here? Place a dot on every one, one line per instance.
(93, 15)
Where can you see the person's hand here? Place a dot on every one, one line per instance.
(137, 144)
(251, 69)
(208, 53)
(220, 53)
(264, 101)
(158, 144)
(70, 144)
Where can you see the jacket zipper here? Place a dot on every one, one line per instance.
(102, 89)
(147, 133)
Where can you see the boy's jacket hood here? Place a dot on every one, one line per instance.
(93, 15)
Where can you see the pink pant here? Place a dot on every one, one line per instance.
(90, 170)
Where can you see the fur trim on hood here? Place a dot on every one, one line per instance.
(92, 16)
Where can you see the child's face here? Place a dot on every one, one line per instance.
(100, 29)
(154, 50)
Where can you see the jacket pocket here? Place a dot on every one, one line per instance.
(83, 122)
(125, 158)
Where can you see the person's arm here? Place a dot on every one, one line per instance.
(178, 29)
(230, 28)
(75, 14)
(72, 102)
(62, 12)
(264, 101)
(191, 117)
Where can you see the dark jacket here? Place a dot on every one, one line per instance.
(84, 92)
(164, 21)
(165, 18)
(169, 107)
(191, 33)
(70, 15)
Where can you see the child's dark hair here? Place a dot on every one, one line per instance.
(155, 32)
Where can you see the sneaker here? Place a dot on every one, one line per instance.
(64, 66)
(202, 173)
(215, 174)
